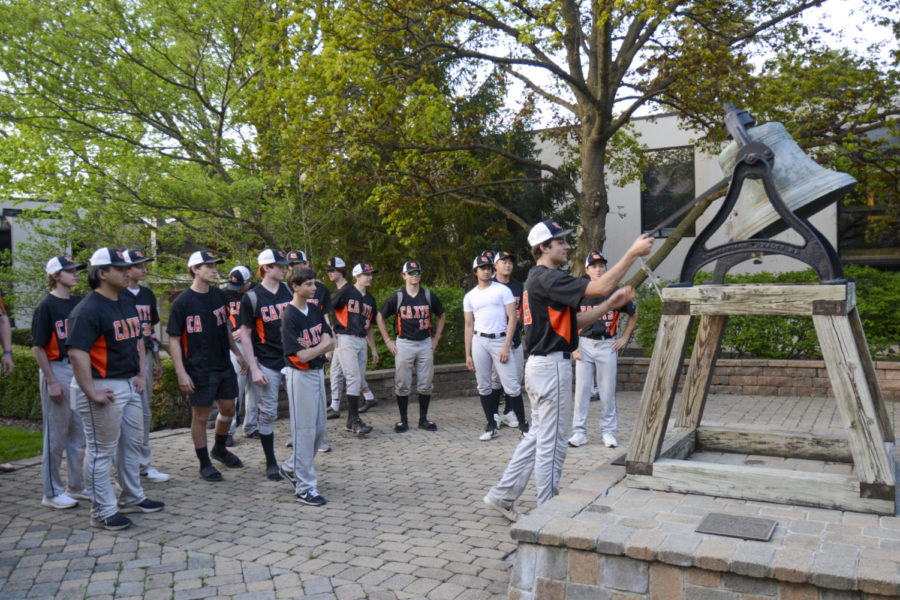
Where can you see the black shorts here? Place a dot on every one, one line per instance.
(219, 387)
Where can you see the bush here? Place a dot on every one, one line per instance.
(20, 397)
(793, 337)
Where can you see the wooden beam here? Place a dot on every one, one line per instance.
(884, 417)
(659, 393)
(854, 400)
(679, 443)
(763, 299)
(774, 443)
(699, 374)
(827, 490)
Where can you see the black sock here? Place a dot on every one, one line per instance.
(518, 407)
(487, 405)
(424, 401)
(403, 407)
(509, 404)
(495, 400)
(219, 445)
(268, 443)
(203, 455)
(352, 409)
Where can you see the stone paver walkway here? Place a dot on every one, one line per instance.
(404, 517)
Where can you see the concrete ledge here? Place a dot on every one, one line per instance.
(636, 543)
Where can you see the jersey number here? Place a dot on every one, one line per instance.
(526, 309)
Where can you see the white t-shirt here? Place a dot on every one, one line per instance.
(488, 306)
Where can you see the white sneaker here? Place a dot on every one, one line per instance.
(79, 495)
(62, 501)
(609, 440)
(155, 476)
(577, 439)
(488, 434)
(510, 513)
(497, 420)
(509, 419)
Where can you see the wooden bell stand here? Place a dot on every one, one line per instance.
(870, 435)
(657, 461)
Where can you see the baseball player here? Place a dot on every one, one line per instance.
(62, 425)
(415, 345)
(107, 354)
(595, 361)
(354, 308)
(144, 301)
(489, 310)
(261, 311)
(199, 343)
(337, 273)
(5, 340)
(239, 281)
(306, 338)
(514, 415)
(552, 320)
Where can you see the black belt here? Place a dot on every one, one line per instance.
(567, 355)
(599, 337)
(492, 336)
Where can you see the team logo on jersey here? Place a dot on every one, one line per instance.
(526, 318)
(125, 329)
(221, 314)
(272, 312)
(62, 329)
(194, 324)
(311, 337)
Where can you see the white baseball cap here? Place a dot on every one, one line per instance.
(237, 277)
(363, 268)
(109, 257)
(203, 257)
(271, 256)
(335, 263)
(60, 263)
(546, 231)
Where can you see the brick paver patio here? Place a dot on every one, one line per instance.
(404, 517)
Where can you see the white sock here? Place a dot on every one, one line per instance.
(368, 395)
(336, 405)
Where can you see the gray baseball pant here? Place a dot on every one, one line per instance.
(306, 394)
(62, 431)
(352, 353)
(486, 356)
(242, 380)
(112, 432)
(548, 381)
(414, 354)
(597, 364)
(267, 397)
(145, 456)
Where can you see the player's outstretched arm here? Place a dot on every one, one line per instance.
(609, 280)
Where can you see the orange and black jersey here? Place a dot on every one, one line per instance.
(307, 328)
(50, 325)
(550, 306)
(265, 323)
(605, 328)
(353, 311)
(517, 290)
(322, 299)
(200, 321)
(145, 304)
(413, 314)
(110, 331)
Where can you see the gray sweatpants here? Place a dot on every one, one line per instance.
(417, 355)
(62, 431)
(145, 409)
(306, 394)
(597, 364)
(112, 431)
(486, 356)
(267, 400)
(352, 353)
(548, 381)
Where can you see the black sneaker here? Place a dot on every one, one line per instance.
(427, 425)
(310, 497)
(287, 475)
(272, 473)
(210, 473)
(332, 414)
(229, 441)
(289, 443)
(147, 506)
(368, 405)
(115, 522)
(358, 427)
(401, 427)
(228, 459)
(253, 434)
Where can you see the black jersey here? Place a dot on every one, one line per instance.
(200, 321)
(309, 328)
(322, 299)
(233, 301)
(145, 304)
(265, 323)
(50, 325)
(605, 328)
(353, 311)
(413, 313)
(517, 290)
(549, 305)
(109, 330)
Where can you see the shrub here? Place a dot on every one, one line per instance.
(19, 394)
(793, 337)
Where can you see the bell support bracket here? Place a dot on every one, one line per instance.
(816, 251)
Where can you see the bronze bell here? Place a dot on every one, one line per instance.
(804, 185)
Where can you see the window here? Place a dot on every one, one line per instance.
(668, 184)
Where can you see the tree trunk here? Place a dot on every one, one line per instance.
(593, 205)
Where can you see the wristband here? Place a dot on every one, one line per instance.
(7, 352)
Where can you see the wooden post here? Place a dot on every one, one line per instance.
(699, 375)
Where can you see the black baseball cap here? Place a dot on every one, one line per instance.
(296, 256)
(503, 255)
(110, 257)
(335, 263)
(411, 265)
(238, 276)
(203, 257)
(546, 231)
(137, 257)
(482, 260)
(593, 257)
(61, 263)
